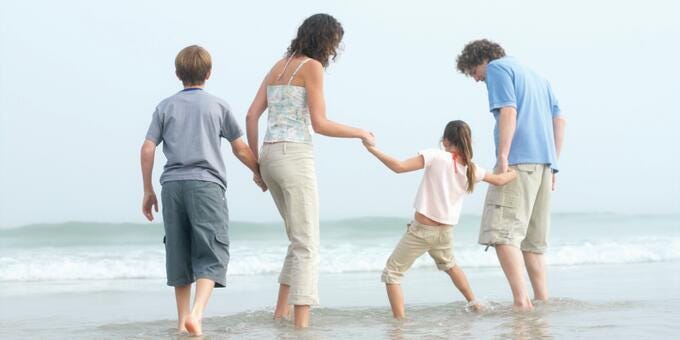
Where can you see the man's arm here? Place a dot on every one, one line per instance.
(559, 124)
(507, 123)
(147, 157)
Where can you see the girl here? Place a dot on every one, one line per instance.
(449, 174)
(293, 93)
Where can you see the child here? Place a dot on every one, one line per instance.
(195, 215)
(449, 174)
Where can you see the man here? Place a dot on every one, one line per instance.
(528, 136)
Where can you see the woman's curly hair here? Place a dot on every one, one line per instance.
(476, 53)
(318, 38)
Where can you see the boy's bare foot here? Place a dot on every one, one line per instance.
(193, 326)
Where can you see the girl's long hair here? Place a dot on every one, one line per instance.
(458, 134)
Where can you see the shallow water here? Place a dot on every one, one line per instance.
(611, 276)
(558, 318)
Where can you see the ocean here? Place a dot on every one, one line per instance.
(610, 275)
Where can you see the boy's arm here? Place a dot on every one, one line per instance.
(411, 164)
(244, 154)
(147, 157)
(500, 179)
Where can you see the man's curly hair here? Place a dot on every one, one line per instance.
(318, 38)
(476, 53)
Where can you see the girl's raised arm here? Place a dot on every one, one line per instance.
(407, 165)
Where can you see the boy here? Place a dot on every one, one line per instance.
(190, 123)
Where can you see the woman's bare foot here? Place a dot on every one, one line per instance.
(193, 325)
(286, 314)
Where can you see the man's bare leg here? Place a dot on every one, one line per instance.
(537, 274)
(512, 263)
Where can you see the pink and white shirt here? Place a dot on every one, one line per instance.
(440, 195)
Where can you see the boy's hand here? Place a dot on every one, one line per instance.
(260, 183)
(149, 201)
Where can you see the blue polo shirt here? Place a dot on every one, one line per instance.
(511, 84)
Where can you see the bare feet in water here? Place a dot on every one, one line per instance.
(193, 326)
(287, 314)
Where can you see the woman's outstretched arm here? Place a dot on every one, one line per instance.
(313, 78)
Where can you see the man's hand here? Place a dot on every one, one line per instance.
(149, 201)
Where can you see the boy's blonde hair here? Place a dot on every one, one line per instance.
(193, 65)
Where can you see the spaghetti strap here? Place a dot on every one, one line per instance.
(284, 68)
(296, 70)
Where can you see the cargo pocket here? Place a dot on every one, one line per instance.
(222, 247)
(500, 215)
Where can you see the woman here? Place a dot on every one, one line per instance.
(293, 94)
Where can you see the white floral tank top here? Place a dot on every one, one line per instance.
(288, 118)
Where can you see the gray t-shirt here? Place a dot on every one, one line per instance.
(190, 124)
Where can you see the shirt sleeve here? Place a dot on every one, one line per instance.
(500, 86)
(155, 132)
(428, 156)
(230, 128)
(479, 173)
(554, 103)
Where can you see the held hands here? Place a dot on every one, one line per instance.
(257, 178)
(368, 138)
(149, 201)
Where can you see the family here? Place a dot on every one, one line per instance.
(528, 136)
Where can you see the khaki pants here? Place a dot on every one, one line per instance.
(288, 170)
(420, 238)
(518, 213)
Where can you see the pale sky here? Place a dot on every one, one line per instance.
(79, 81)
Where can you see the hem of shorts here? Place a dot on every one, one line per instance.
(535, 251)
(180, 283)
(499, 243)
(388, 280)
(303, 300)
(447, 266)
(220, 282)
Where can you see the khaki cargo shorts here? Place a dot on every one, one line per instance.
(518, 213)
(420, 238)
